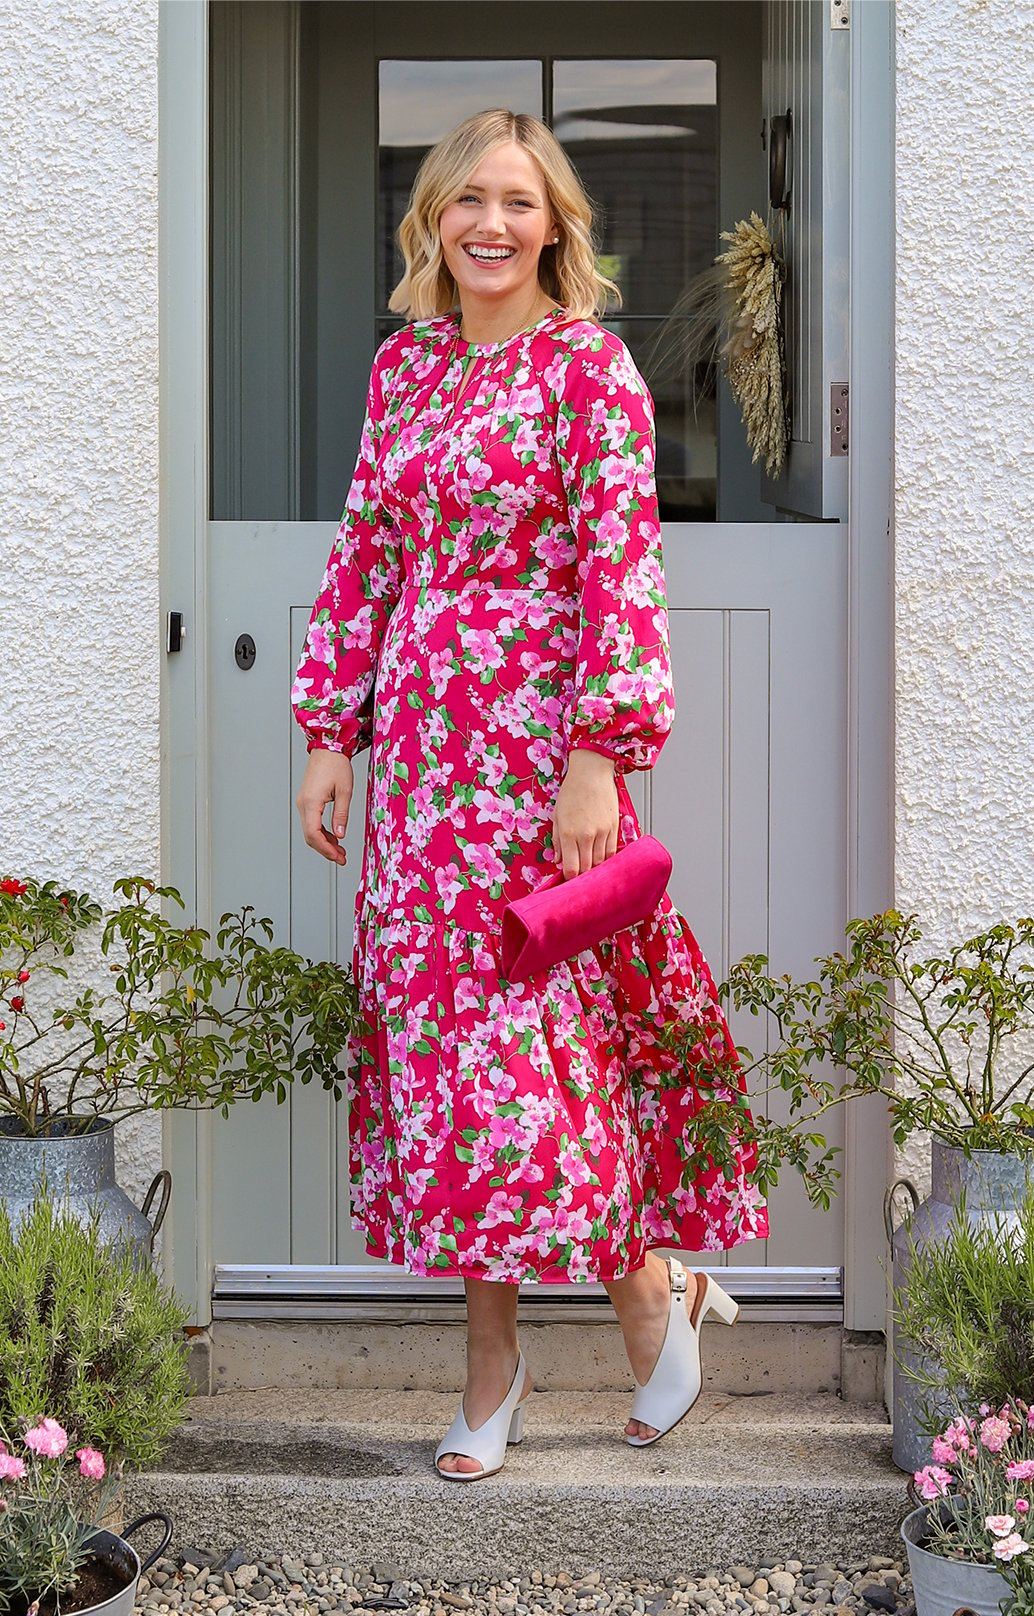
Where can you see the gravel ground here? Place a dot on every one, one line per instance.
(312, 1586)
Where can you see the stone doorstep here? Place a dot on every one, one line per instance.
(349, 1475)
(758, 1356)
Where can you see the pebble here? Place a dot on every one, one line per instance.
(253, 1582)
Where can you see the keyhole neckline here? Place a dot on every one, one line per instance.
(463, 348)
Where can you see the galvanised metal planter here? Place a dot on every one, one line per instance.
(992, 1182)
(115, 1551)
(941, 1586)
(80, 1172)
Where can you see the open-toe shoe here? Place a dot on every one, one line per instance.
(489, 1442)
(674, 1385)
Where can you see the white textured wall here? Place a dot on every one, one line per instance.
(79, 631)
(965, 466)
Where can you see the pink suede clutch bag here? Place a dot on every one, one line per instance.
(560, 917)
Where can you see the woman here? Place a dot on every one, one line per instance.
(492, 622)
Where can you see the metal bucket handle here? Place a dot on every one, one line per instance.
(164, 1178)
(888, 1203)
(155, 1515)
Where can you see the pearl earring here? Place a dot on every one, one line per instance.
(555, 240)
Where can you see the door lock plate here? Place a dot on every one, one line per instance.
(838, 419)
(244, 652)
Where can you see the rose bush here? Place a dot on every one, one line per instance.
(185, 1024)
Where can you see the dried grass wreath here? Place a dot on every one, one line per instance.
(732, 314)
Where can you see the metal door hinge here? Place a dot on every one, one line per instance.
(840, 13)
(838, 418)
(175, 633)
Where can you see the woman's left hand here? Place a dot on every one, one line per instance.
(585, 816)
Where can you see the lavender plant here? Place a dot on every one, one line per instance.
(88, 1335)
(968, 1310)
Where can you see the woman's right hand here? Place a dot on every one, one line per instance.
(328, 778)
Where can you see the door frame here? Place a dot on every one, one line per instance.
(183, 65)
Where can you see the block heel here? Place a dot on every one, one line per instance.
(720, 1302)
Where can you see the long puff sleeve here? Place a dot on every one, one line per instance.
(332, 696)
(624, 703)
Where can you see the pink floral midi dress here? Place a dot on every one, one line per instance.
(495, 597)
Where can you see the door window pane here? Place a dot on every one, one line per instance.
(643, 137)
(419, 102)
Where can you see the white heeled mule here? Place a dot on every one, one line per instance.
(674, 1385)
(489, 1442)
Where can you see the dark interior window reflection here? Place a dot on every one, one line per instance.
(643, 136)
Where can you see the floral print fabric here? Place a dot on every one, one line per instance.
(494, 598)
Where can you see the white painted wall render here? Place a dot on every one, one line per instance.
(964, 536)
(79, 629)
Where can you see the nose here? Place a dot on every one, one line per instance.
(492, 222)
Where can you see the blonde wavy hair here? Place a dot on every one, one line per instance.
(567, 272)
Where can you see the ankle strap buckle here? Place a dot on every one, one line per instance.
(679, 1279)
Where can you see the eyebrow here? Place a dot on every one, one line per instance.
(515, 190)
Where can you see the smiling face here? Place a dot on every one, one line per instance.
(493, 233)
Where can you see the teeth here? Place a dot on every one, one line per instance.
(490, 252)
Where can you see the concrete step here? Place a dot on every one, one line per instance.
(349, 1474)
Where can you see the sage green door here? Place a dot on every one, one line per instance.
(319, 114)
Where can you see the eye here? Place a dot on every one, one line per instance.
(468, 196)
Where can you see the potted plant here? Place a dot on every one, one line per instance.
(933, 1035)
(55, 1557)
(88, 1337)
(943, 1038)
(970, 1543)
(966, 1317)
(185, 1023)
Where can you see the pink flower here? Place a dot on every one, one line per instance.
(994, 1433)
(48, 1439)
(1030, 1419)
(11, 1469)
(999, 1525)
(932, 1481)
(943, 1451)
(91, 1463)
(1021, 1506)
(1007, 1548)
(321, 646)
(1020, 1470)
